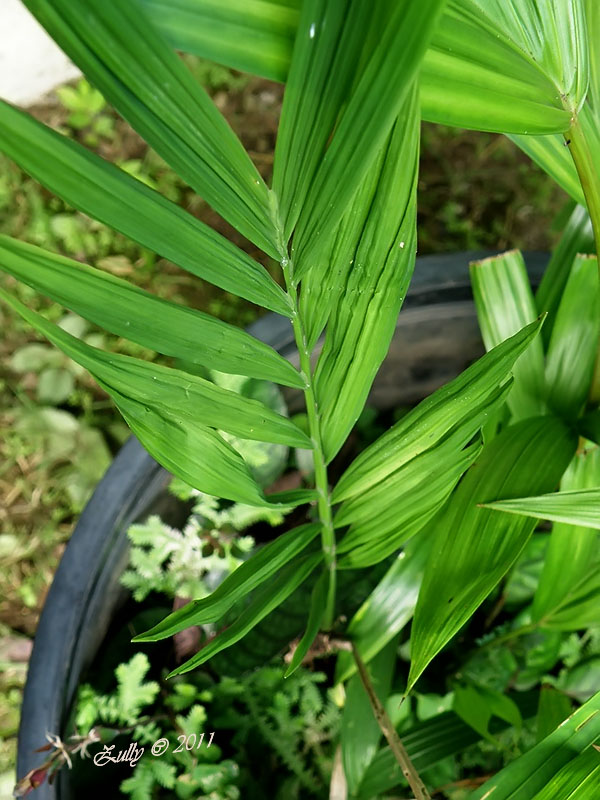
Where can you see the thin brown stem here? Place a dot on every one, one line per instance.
(408, 768)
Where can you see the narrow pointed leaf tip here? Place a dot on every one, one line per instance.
(108, 194)
(432, 420)
(266, 599)
(548, 762)
(129, 61)
(575, 507)
(177, 415)
(247, 577)
(473, 547)
(124, 309)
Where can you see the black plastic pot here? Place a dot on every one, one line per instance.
(436, 338)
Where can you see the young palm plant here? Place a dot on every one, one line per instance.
(339, 220)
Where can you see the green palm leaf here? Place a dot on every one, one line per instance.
(189, 396)
(387, 609)
(328, 44)
(578, 779)
(130, 62)
(572, 550)
(577, 237)
(546, 766)
(364, 126)
(473, 549)
(575, 507)
(266, 600)
(122, 308)
(372, 278)
(247, 577)
(434, 418)
(360, 732)
(255, 36)
(108, 194)
(518, 66)
(512, 67)
(505, 304)
(573, 346)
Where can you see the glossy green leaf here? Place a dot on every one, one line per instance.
(327, 47)
(476, 705)
(253, 36)
(392, 512)
(318, 604)
(540, 766)
(483, 70)
(572, 550)
(550, 153)
(434, 418)
(578, 780)
(360, 732)
(575, 507)
(387, 609)
(110, 195)
(573, 345)
(553, 709)
(248, 576)
(190, 451)
(577, 237)
(126, 310)
(262, 603)
(512, 67)
(428, 743)
(472, 548)
(364, 125)
(129, 61)
(505, 304)
(380, 267)
(578, 608)
(180, 393)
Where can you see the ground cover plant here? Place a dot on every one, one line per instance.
(339, 219)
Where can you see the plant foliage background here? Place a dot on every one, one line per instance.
(339, 220)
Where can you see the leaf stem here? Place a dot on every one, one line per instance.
(408, 768)
(321, 480)
(588, 171)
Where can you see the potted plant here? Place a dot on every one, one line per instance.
(339, 221)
